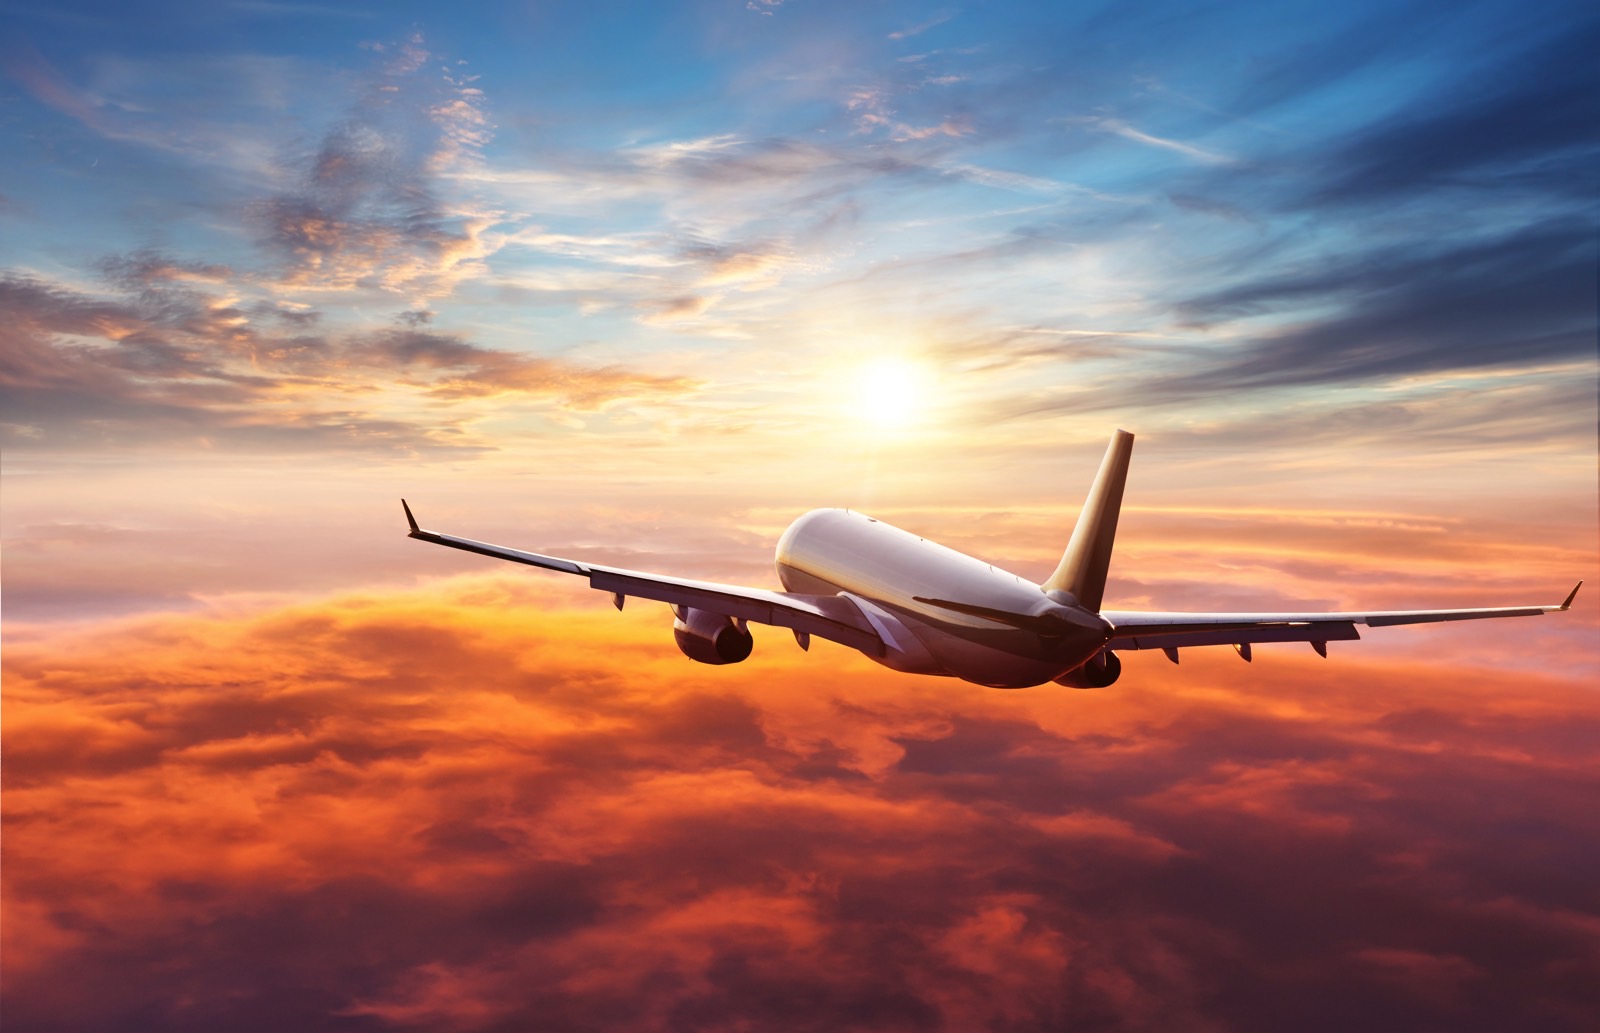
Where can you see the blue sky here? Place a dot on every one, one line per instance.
(619, 244)
(715, 259)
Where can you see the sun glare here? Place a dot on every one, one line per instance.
(889, 392)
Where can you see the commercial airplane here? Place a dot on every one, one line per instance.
(919, 607)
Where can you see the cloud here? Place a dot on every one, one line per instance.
(676, 310)
(1496, 322)
(1524, 123)
(1206, 206)
(145, 269)
(874, 111)
(948, 127)
(173, 362)
(921, 27)
(733, 212)
(367, 211)
(1117, 127)
(472, 808)
(758, 164)
(29, 68)
(447, 367)
(54, 384)
(1009, 180)
(1518, 298)
(750, 265)
(192, 115)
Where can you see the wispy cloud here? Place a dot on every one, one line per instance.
(921, 27)
(1531, 130)
(367, 212)
(445, 366)
(1517, 299)
(172, 360)
(24, 64)
(873, 112)
(949, 127)
(1008, 180)
(1117, 127)
(677, 309)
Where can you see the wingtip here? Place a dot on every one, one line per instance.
(1571, 596)
(409, 518)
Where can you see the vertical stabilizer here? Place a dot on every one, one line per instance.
(1083, 567)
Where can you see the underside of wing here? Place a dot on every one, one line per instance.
(1138, 630)
(831, 617)
(1179, 635)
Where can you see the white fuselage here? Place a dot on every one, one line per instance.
(884, 570)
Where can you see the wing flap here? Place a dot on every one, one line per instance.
(1322, 631)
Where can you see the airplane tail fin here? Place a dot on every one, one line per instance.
(1083, 566)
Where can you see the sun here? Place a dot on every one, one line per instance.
(890, 392)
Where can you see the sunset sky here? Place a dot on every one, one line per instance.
(640, 283)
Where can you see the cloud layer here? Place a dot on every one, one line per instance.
(477, 809)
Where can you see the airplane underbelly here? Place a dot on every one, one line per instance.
(994, 668)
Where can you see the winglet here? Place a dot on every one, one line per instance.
(409, 518)
(1083, 568)
(1571, 596)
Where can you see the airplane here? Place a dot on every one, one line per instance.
(919, 607)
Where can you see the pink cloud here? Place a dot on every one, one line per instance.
(470, 807)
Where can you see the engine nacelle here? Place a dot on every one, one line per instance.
(710, 638)
(1097, 672)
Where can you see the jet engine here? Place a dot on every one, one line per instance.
(710, 638)
(1099, 671)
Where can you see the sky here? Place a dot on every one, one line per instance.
(641, 283)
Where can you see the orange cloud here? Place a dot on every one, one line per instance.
(674, 310)
(475, 806)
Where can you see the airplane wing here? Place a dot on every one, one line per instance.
(827, 616)
(1169, 631)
